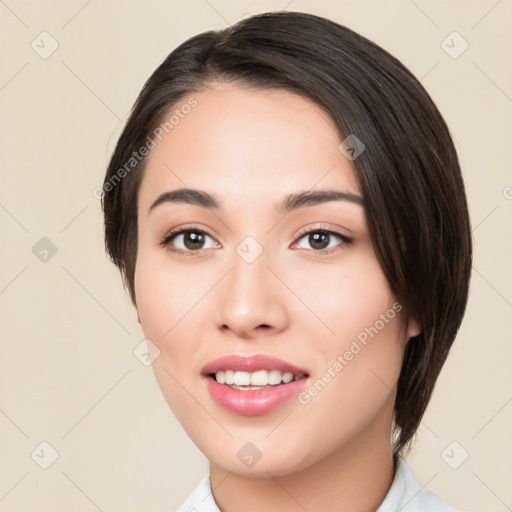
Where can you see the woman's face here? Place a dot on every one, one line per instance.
(247, 279)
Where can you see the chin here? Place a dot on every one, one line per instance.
(261, 458)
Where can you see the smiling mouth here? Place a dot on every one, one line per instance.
(253, 385)
(257, 392)
(260, 379)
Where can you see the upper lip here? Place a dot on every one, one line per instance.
(251, 364)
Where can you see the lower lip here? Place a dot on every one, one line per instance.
(254, 402)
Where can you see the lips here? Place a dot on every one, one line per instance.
(251, 364)
(251, 399)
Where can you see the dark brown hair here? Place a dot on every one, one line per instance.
(409, 172)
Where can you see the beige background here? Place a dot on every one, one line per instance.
(68, 373)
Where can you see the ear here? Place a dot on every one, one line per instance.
(413, 329)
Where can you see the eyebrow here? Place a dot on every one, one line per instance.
(290, 202)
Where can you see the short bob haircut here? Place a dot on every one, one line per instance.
(409, 174)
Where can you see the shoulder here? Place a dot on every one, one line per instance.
(407, 495)
(201, 499)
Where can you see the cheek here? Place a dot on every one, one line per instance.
(154, 301)
(358, 362)
(162, 304)
(347, 297)
(371, 340)
(354, 387)
(163, 294)
(171, 303)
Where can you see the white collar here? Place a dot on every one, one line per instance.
(404, 495)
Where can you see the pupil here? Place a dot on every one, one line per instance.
(316, 238)
(193, 240)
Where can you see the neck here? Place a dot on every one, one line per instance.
(353, 479)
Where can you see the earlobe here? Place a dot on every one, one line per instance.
(413, 329)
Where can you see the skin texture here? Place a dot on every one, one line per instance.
(250, 148)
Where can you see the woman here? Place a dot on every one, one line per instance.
(287, 210)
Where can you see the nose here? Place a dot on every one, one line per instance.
(250, 301)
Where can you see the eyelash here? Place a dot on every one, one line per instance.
(166, 240)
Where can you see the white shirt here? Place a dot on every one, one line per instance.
(404, 495)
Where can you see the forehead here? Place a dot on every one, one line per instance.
(255, 145)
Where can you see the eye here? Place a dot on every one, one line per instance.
(187, 240)
(190, 240)
(322, 239)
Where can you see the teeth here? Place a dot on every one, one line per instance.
(274, 377)
(258, 378)
(242, 379)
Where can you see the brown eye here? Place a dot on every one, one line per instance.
(322, 239)
(319, 240)
(193, 240)
(188, 240)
